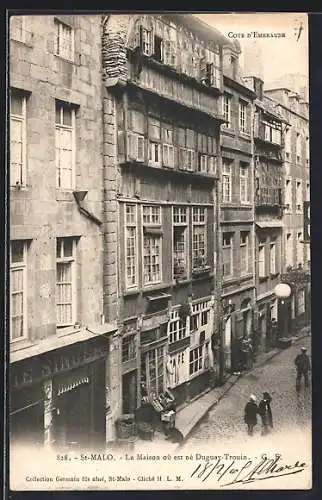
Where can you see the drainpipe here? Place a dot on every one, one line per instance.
(79, 198)
(253, 214)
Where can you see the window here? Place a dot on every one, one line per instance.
(65, 146)
(180, 242)
(65, 281)
(299, 196)
(307, 150)
(261, 258)
(204, 318)
(128, 348)
(18, 290)
(272, 132)
(289, 250)
(301, 302)
(195, 360)
(131, 245)
(199, 237)
(146, 41)
(227, 244)
(244, 252)
(287, 144)
(288, 195)
(18, 29)
(226, 181)
(243, 117)
(135, 149)
(155, 154)
(272, 256)
(152, 242)
(64, 40)
(155, 370)
(298, 147)
(244, 183)
(227, 110)
(18, 139)
(177, 330)
(300, 248)
(167, 147)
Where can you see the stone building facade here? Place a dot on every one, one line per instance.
(268, 130)
(237, 210)
(294, 107)
(62, 346)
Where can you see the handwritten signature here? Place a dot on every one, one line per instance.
(229, 473)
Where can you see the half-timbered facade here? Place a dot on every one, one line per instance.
(163, 79)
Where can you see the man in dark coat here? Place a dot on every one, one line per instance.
(251, 411)
(303, 366)
(265, 412)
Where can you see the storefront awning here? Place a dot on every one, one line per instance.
(263, 224)
(72, 383)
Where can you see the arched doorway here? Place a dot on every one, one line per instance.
(247, 317)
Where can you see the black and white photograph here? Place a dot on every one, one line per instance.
(159, 269)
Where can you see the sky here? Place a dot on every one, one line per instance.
(279, 55)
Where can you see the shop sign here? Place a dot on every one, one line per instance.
(28, 372)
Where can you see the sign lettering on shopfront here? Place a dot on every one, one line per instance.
(46, 367)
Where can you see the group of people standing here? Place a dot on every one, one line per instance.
(263, 409)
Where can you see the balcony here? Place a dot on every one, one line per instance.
(269, 196)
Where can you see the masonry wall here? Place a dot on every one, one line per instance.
(39, 212)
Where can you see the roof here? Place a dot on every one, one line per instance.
(270, 106)
(201, 29)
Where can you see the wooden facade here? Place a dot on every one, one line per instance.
(168, 118)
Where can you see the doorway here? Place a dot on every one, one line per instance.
(129, 391)
(73, 418)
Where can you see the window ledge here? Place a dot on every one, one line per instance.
(19, 344)
(24, 187)
(129, 292)
(181, 281)
(152, 288)
(198, 271)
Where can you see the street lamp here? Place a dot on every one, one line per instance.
(282, 292)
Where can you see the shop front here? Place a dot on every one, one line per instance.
(59, 398)
(238, 326)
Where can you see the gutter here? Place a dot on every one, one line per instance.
(79, 198)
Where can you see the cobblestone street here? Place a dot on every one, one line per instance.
(291, 412)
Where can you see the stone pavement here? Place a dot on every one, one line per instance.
(189, 416)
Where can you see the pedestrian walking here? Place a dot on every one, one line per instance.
(250, 414)
(303, 366)
(265, 411)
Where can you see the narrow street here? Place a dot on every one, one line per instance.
(224, 428)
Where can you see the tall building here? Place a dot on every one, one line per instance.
(268, 199)
(237, 210)
(296, 266)
(163, 79)
(61, 356)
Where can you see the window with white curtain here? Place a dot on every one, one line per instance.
(66, 281)
(65, 124)
(18, 290)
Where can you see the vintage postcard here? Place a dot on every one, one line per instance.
(159, 274)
